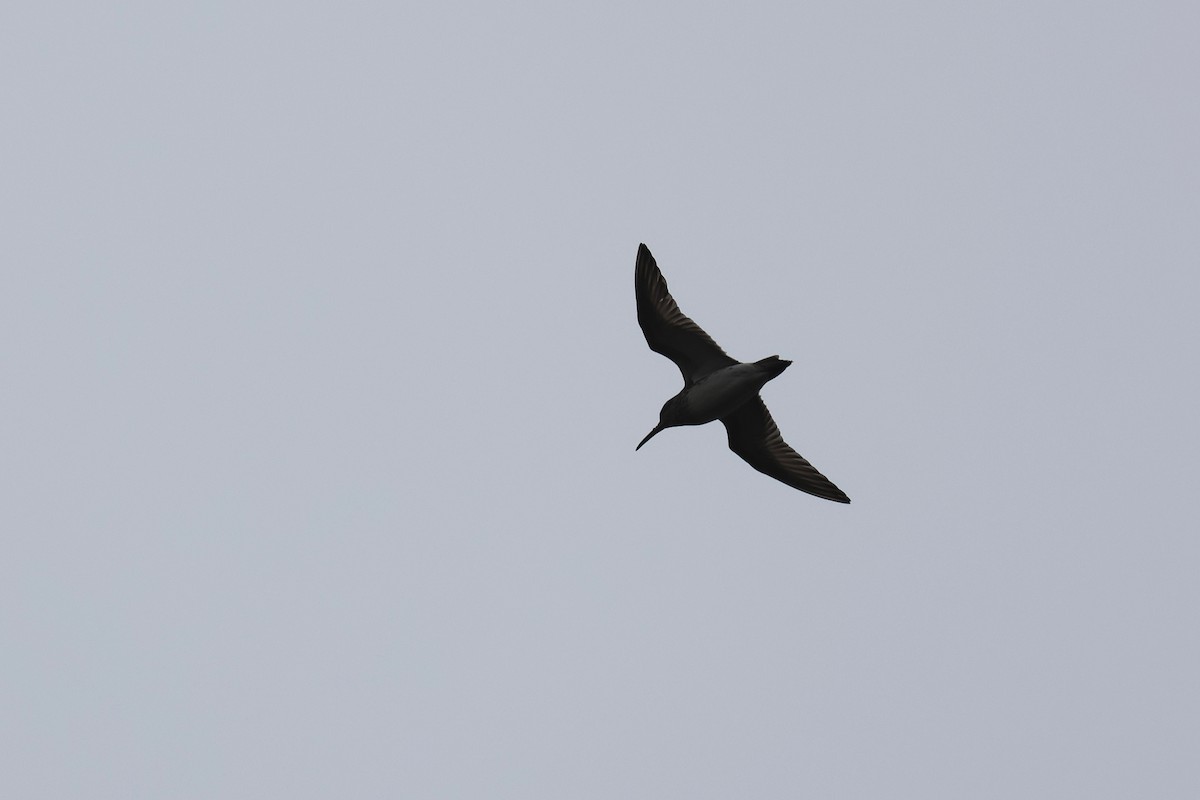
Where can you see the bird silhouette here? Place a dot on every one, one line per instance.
(716, 386)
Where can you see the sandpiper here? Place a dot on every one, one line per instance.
(716, 386)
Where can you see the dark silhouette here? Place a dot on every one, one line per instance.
(716, 386)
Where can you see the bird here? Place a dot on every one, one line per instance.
(716, 386)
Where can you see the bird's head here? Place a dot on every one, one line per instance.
(669, 417)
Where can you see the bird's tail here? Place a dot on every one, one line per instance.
(773, 365)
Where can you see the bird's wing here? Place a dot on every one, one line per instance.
(668, 330)
(754, 436)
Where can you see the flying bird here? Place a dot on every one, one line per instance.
(716, 386)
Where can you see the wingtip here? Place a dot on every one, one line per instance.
(833, 493)
(646, 268)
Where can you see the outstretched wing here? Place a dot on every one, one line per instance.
(668, 330)
(754, 436)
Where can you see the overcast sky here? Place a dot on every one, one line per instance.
(322, 381)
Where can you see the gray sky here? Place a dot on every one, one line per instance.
(323, 380)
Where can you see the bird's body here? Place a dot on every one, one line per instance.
(717, 386)
(722, 392)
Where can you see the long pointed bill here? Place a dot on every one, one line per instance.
(649, 436)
